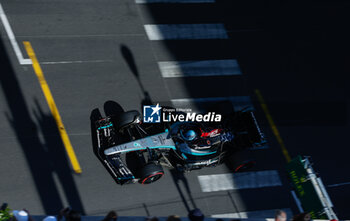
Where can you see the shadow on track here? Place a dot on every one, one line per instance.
(45, 159)
(129, 59)
(179, 177)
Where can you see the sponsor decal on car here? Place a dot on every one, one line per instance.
(157, 114)
(206, 163)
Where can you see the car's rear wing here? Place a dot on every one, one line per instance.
(259, 135)
(248, 123)
(158, 141)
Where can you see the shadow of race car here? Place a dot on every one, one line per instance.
(133, 151)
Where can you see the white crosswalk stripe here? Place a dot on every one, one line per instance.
(238, 102)
(171, 69)
(260, 214)
(173, 1)
(246, 180)
(185, 31)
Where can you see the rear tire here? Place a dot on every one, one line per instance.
(244, 166)
(241, 161)
(150, 173)
(126, 119)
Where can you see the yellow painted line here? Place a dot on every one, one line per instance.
(272, 125)
(52, 105)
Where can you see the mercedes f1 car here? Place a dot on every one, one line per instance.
(133, 151)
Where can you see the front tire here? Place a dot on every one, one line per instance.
(126, 119)
(150, 173)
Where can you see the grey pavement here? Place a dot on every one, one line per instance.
(80, 47)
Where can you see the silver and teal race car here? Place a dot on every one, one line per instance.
(133, 151)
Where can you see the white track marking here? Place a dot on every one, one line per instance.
(338, 184)
(185, 31)
(238, 102)
(12, 38)
(81, 36)
(173, 1)
(246, 180)
(75, 62)
(60, 188)
(297, 202)
(171, 69)
(260, 214)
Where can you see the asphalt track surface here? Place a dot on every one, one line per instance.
(92, 52)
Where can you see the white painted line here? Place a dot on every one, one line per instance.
(173, 1)
(238, 99)
(246, 180)
(171, 69)
(238, 102)
(338, 184)
(297, 201)
(74, 62)
(12, 38)
(185, 31)
(260, 214)
(81, 36)
(57, 180)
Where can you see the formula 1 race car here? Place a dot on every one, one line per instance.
(133, 151)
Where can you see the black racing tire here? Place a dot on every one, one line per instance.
(150, 173)
(126, 119)
(244, 166)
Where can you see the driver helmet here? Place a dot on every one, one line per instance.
(188, 135)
